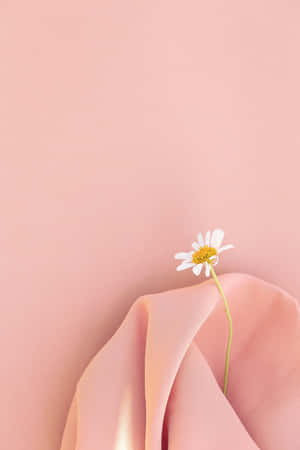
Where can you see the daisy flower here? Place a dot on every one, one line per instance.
(205, 253)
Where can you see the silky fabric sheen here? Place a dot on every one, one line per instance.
(157, 383)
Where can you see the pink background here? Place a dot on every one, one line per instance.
(127, 127)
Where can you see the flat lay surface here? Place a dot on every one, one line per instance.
(125, 129)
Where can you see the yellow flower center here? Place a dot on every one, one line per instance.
(204, 254)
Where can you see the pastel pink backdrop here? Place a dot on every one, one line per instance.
(127, 127)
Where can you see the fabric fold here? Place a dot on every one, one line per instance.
(157, 383)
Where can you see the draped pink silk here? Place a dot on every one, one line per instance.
(157, 383)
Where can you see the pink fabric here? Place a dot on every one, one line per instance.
(157, 384)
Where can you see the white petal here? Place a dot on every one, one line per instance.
(183, 255)
(207, 238)
(197, 269)
(196, 246)
(225, 247)
(207, 269)
(184, 265)
(200, 239)
(214, 260)
(217, 238)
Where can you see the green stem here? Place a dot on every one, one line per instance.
(230, 328)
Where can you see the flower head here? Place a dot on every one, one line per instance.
(206, 252)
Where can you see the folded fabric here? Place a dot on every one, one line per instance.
(157, 383)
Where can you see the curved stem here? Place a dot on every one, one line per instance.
(230, 328)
